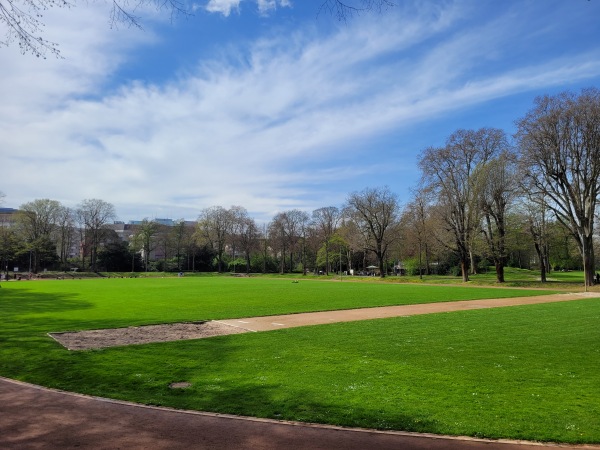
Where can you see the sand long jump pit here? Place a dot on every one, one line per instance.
(145, 334)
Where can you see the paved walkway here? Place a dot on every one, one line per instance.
(37, 418)
(32, 417)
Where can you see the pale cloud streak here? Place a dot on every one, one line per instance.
(268, 134)
(226, 7)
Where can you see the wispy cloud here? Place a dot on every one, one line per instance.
(226, 7)
(223, 6)
(269, 126)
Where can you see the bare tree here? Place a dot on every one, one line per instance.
(325, 222)
(348, 8)
(93, 214)
(498, 186)
(450, 173)
(559, 142)
(247, 236)
(535, 213)
(376, 211)
(417, 220)
(178, 239)
(23, 20)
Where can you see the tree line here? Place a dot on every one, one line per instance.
(484, 199)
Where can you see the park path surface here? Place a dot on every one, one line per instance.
(268, 323)
(33, 417)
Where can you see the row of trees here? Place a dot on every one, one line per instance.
(473, 181)
(44, 231)
(482, 200)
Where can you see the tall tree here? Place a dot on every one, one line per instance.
(416, 218)
(64, 233)
(247, 236)
(93, 214)
(498, 186)
(325, 222)
(178, 238)
(285, 232)
(376, 211)
(450, 173)
(9, 242)
(536, 215)
(559, 142)
(36, 222)
(214, 229)
(147, 232)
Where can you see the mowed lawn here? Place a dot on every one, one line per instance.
(527, 372)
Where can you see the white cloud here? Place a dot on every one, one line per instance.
(270, 133)
(265, 6)
(223, 6)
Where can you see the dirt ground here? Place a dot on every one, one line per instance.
(94, 339)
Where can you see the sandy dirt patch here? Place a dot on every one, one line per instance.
(94, 339)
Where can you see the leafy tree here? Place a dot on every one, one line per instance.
(9, 244)
(332, 253)
(214, 228)
(116, 257)
(64, 233)
(36, 221)
(146, 233)
(286, 230)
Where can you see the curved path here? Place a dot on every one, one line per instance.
(32, 417)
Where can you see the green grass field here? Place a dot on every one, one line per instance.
(529, 372)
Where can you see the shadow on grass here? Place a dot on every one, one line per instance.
(15, 303)
(266, 401)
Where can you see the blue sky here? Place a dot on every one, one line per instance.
(270, 105)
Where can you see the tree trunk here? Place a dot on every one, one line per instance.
(542, 259)
(472, 263)
(499, 271)
(464, 268)
(588, 259)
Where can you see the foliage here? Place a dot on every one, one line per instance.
(117, 257)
